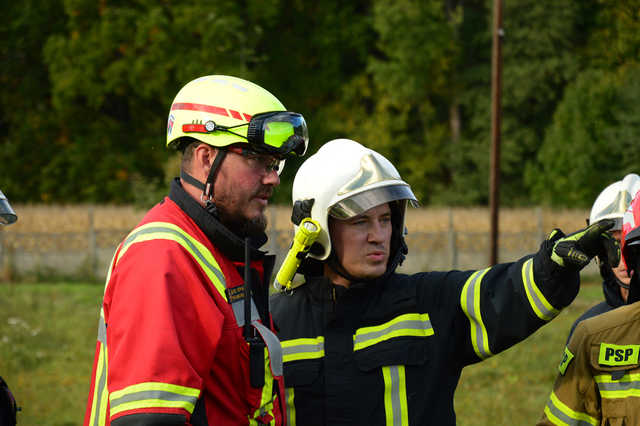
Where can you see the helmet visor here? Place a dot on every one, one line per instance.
(281, 133)
(366, 200)
(7, 215)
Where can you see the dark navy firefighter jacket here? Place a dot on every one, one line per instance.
(390, 351)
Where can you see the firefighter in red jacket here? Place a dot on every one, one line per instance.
(178, 341)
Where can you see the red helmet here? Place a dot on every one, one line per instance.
(631, 235)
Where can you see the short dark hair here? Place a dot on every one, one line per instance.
(188, 146)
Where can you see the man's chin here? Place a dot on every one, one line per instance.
(244, 226)
(256, 226)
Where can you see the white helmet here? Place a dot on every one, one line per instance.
(346, 179)
(7, 215)
(614, 200)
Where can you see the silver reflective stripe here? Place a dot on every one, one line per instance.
(565, 418)
(470, 299)
(297, 349)
(273, 345)
(619, 386)
(395, 396)
(153, 394)
(188, 242)
(291, 408)
(238, 311)
(539, 304)
(400, 328)
(102, 331)
(101, 383)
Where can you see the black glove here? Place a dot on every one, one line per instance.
(610, 252)
(576, 250)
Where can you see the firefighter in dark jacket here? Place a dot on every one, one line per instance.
(363, 344)
(611, 203)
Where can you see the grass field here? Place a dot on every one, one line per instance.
(48, 333)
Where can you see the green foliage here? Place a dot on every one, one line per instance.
(88, 84)
(595, 128)
(538, 54)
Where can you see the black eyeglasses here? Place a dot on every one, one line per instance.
(259, 162)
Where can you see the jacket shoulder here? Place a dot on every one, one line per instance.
(621, 318)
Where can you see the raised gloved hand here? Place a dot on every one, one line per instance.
(576, 250)
(610, 253)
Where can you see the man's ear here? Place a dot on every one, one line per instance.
(204, 155)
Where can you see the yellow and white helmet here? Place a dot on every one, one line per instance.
(614, 200)
(222, 110)
(346, 179)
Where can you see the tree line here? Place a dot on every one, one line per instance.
(87, 86)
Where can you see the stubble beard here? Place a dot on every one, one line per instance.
(241, 225)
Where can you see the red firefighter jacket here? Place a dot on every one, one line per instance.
(170, 347)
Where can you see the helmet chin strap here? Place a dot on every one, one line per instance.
(207, 187)
(334, 264)
(634, 290)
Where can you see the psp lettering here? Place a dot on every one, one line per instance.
(618, 354)
(614, 355)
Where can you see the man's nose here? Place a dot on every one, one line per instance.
(271, 178)
(376, 232)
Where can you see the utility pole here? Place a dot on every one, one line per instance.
(496, 83)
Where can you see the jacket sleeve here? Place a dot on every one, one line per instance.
(163, 328)
(492, 309)
(574, 399)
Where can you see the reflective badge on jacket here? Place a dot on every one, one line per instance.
(614, 355)
(566, 360)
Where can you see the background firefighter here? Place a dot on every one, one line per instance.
(598, 382)
(8, 406)
(611, 203)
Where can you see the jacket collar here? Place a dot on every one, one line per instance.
(230, 244)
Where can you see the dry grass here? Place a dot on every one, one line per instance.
(73, 218)
(477, 219)
(76, 218)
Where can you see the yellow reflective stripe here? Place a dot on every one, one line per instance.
(470, 303)
(395, 395)
(560, 414)
(566, 360)
(413, 324)
(153, 395)
(291, 407)
(627, 386)
(169, 231)
(100, 394)
(111, 264)
(306, 348)
(266, 399)
(543, 309)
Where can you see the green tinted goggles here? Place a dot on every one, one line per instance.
(280, 133)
